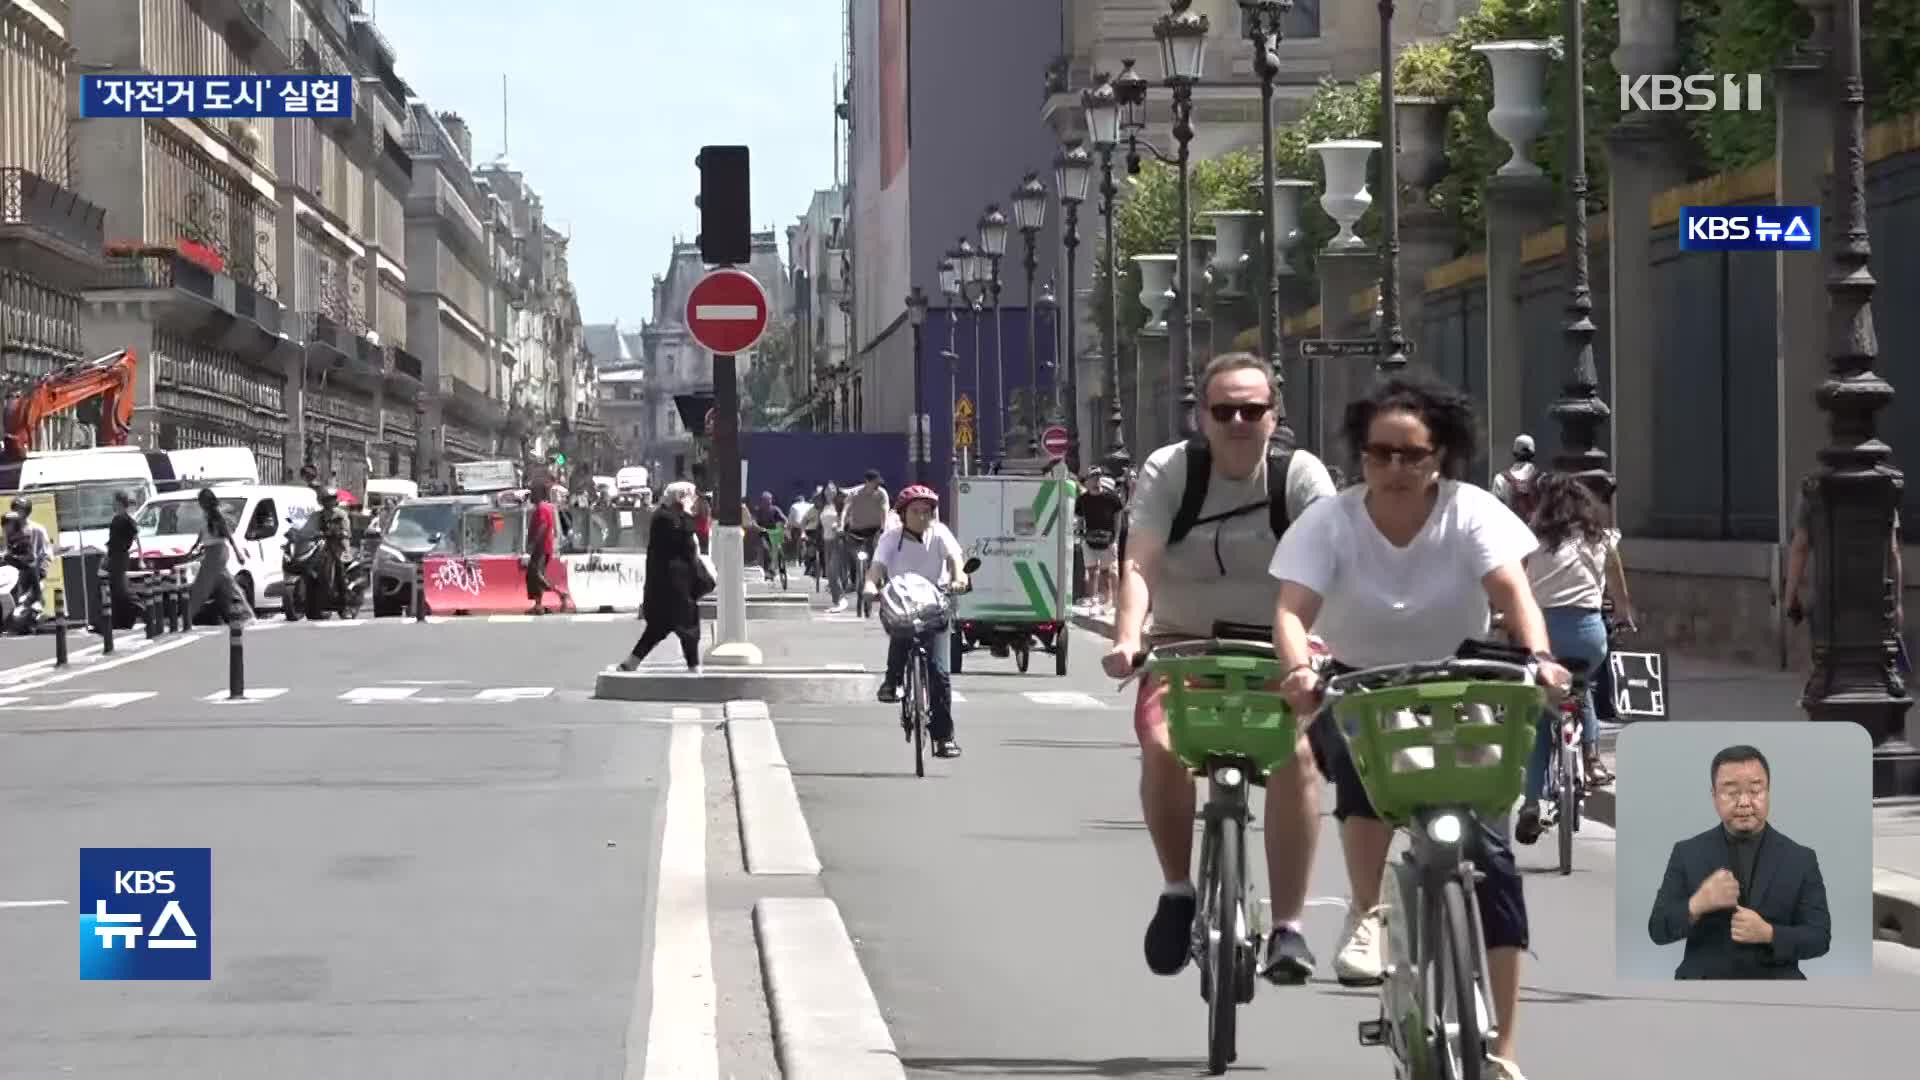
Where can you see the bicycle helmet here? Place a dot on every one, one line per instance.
(916, 493)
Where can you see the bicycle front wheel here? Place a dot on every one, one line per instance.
(1222, 941)
(918, 665)
(1452, 986)
(1569, 793)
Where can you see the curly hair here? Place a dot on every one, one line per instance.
(1447, 412)
(1564, 510)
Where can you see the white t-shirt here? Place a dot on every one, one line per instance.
(829, 523)
(797, 513)
(1574, 576)
(1386, 605)
(927, 557)
(1218, 572)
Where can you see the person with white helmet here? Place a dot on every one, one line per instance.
(1514, 485)
(920, 545)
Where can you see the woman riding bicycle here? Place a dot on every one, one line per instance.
(921, 545)
(1402, 568)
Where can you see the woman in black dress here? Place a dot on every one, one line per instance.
(670, 598)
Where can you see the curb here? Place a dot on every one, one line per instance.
(773, 829)
(715, 685)
(826, 1021)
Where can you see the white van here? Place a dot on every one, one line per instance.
(215, 465)
(82, 484)
(259, 515)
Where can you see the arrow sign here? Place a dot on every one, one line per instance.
(1337, 348)
(727, 312)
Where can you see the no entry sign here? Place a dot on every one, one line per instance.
(1054, 441)
(727, 312)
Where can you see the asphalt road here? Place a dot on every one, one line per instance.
(453, 882)
(998, 905)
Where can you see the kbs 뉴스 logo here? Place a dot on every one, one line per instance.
(146, 913)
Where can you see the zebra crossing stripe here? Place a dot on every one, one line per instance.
(502, 694)
(367, 695)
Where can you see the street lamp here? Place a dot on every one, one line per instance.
(1262, 19)
(1393, 341)
(1029, 215)
(1579, 412)
(1856, 491)
(1102, 107)
(993, 245)
(950, 287)
(973, 288)
(1071, 172)
(917, 314)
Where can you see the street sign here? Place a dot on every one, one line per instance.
(1343, 348)
(963, 409)
(963, 434)
(1054, 441)
(727, 311)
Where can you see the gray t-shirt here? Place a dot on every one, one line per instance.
(1190, 592)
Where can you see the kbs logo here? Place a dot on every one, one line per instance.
(146, 913)
(1691, 93)
(1750, 228)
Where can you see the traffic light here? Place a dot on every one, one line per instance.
(725, 202)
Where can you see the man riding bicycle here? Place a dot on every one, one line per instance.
(922, 546)
(1203, 522)
(864, 518)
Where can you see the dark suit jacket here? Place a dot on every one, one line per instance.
(1786, 890)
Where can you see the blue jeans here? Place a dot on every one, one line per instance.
(939, 682)
(1572, 634)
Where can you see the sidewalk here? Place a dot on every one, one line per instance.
(1711, 690)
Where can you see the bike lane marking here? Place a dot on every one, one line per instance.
(678, 1036)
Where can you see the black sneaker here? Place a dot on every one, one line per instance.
(946, 748)
(1169, 941)
(1526, 826)
(889, 694)
(1288, 961)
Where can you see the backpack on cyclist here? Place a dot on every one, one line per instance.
(910, 605)
(1523, 490)
(1200, 471)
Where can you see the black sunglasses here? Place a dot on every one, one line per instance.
(1383, 455)
(1247, 412)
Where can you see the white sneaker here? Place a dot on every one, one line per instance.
(1358, 961)
(1504, 1069)
(839, 606)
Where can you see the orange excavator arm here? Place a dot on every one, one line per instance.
(109, 377)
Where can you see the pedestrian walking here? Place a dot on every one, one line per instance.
(543, 527)
(216, 575)
(677, 577)
(122, 535)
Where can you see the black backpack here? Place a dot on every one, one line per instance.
(1200, 470)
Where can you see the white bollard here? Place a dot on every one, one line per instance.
(730, 600)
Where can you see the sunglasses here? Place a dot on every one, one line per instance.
(1247, 412)
(1383, 455)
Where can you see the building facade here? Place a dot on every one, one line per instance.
(620, 390)
(821, 302)
(543, 328)
(50, 237)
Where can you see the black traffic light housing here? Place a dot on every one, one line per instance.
(726, 209)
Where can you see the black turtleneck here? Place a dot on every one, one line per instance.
(1744, 848)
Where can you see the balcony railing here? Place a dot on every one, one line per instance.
(31, 201)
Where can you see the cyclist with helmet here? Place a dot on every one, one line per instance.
(922, 546)
(332, 527)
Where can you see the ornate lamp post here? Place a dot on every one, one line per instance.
(917, 314)
(1857, 489)
(1029, 215)
(1102, 106)
(993, 246)
(973, 275)
(1393, 342)
(1071, 172)
(1580, 412)
(950, 288)
(1262, 19)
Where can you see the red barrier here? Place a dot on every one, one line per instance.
(485, 585)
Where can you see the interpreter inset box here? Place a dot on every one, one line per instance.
(1744, 851)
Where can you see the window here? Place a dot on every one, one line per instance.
(182, 517)
(1301, 22)
(266, 521)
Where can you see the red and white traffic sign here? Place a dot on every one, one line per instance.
(1055, 441)
(727, 311)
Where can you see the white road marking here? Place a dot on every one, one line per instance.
(28, 671)
(725, 312)
(262, 693)
(510, 618)
(108, 701)
(499, 695)
(686, 714)
(9, 702)
(367, 695)
(601, 616)
(959, 698)
(680, 1039)
(91, 669)
(6, 904)
(1068, 699)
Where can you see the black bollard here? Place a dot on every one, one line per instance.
(420, 592)
(106, 624)
(169, 607)
(236, 664)
(150, 600)
(59, 628)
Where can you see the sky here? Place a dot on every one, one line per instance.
(608, 102)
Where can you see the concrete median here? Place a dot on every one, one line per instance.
(844, 685)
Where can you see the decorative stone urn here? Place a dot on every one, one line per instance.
(1519, 112)
(1422, 158)
(1286, 222)
(1156, 290)
(1202, 255)
(1346, 198)
(1233, 232)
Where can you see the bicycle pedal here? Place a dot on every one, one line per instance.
(1373, 1032)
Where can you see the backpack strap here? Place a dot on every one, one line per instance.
(1279, 464)
(1199, 471)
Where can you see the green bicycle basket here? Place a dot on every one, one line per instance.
(1220, 706)
(1467, 744)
